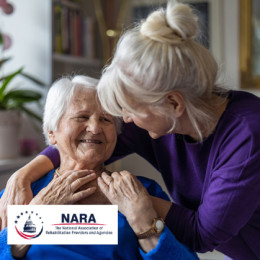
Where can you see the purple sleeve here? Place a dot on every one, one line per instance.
(227, 218)
(53, 154)
(229, 209)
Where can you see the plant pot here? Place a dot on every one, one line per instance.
(10, 121)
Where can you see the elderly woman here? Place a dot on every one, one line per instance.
(86, 136)
(203, 139)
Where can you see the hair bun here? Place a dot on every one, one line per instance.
(178, 23)
(181, 19)
(156, 27)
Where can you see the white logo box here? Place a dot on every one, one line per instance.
(63, 224)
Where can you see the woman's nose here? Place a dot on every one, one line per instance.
(94, 126)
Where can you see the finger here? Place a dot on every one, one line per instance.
(83, 194)
(102, 185)
(125, 173)
(76, 174)
(116, 175)
(81, 181)
(106, 178)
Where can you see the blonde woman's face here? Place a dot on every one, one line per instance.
(157, 124)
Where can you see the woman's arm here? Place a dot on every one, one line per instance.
(67, 186)
(133, 200)
(18, 189)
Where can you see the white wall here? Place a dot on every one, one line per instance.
(30, 29)
(29, 26)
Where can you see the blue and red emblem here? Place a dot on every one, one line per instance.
(29, 225)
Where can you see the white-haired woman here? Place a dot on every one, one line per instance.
(85, 136)
(204, 140)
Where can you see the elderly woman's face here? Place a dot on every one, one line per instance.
(86, 134)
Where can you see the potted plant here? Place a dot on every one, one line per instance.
(13, 101)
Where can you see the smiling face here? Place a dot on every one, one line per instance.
(86, 135)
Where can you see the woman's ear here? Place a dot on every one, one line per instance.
(52, 138)
(175, 100)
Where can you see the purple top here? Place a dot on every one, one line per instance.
(215, 184)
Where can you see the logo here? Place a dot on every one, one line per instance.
(29, 225)
(62, 224)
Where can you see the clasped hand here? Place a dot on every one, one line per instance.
(125, 190)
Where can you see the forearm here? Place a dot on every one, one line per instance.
(34, 170)
(164, 244)
(142, 224)
(18, 188)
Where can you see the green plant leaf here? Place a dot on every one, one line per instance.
(40, 83)
(6, 81)
(14, 99)
(23, 95)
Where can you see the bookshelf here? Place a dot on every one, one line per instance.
(75, 39)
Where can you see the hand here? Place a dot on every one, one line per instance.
(17, 192)
(133, 200)
(64, 189)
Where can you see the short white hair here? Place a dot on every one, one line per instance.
(59, 97)
(158, 56)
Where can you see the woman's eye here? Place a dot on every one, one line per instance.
(105, 119)
(83, 118)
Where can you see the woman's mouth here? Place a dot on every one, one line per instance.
(91, 141)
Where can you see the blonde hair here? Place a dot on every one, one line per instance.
(161, 55)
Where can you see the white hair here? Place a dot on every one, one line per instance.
(158, 56)
(59, 97)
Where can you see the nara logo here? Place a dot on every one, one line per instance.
(29, 225)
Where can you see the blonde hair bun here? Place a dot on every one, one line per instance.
(176, 24)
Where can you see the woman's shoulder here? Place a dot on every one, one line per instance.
(243, 103)
(242, 112)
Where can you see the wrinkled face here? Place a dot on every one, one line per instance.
(86, 134)
(157, 124)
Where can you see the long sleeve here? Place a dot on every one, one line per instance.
(229, 208)
(169, 248)
(214, 184)
(53, 154)
(5, 249)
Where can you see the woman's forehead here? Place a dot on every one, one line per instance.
(87, 100)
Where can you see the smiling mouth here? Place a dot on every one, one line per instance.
(91, 141)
